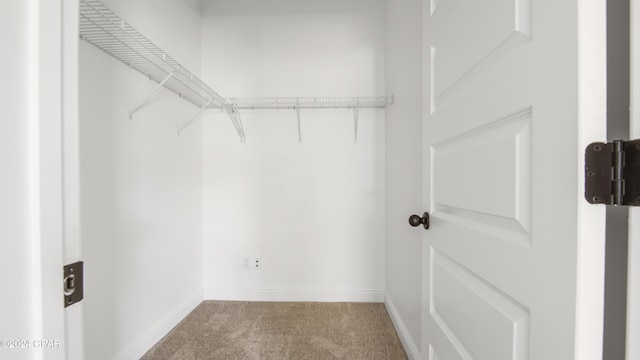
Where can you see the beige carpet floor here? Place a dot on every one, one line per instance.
(275, 330)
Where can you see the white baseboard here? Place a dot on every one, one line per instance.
(294, 295)
(162, 328)
(413, 351)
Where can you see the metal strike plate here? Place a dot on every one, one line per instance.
(73, 283)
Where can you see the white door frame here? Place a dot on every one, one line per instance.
(54, 171)
(74, 336)
(633, 272)
(45, 122)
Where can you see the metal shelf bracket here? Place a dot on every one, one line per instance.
(355, 122)
(152, 95)
(196, 116)
(298, 116)
(236, 120)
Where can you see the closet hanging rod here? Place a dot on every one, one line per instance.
(108, 32)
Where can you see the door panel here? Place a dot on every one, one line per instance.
(470, 34)
(504, 125)
(465, 306)
(498, 200)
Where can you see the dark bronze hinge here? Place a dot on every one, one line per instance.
(612, 173)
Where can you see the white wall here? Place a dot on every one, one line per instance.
(16, 268)
(141, 189)
(314, 212)
(404, 169)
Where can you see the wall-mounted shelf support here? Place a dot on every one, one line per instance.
(151, 96)
(234, 115)
(299, 127)
(355, 123)
(196, 116)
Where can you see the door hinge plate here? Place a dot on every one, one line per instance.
(612, 173)
(73, 283)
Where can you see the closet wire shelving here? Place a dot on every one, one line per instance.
(309, 102)
(110, 33)
(297, 103)
(104, 29)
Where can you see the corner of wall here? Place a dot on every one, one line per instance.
(145, 342)
(410, 347)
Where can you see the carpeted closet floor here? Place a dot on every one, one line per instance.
(273, 330)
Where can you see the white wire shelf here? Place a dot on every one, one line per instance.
(292, 103)
(298, 103)
(108, 32)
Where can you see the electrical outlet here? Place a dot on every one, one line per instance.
(256, 264)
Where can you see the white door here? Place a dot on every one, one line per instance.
(514, 259)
